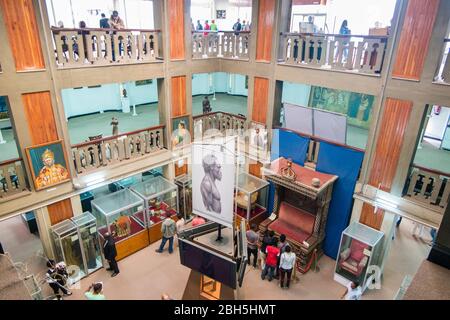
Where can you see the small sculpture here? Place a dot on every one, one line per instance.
(287, 171)
(315, 182)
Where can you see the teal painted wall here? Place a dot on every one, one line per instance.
(296, 93)
(233, 84)
(106, 97)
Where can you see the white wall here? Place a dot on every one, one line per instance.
(437, 123)
(206, 10)
(107, 97)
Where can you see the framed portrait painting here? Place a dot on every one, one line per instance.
(48, 164)
(181, 131)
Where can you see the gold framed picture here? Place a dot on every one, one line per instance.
(48, 164)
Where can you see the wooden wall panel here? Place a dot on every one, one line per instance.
(266, 20)
(181, 170)
(40, 117)
(260, 100)
(178, 96)
(387, 153)
(23, 34)
(176, 27)
(60, 211)
(415, 38)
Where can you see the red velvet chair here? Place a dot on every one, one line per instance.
(353, 258)
(295, 223)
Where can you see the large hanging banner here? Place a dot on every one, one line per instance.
(213, 179)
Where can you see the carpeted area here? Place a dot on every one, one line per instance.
(11, 286)
(253, 213)
(431, 282)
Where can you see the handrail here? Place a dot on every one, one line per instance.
(333, 35)
(215, 112)
(320, 139)
(217, 31)
(437, 172)
(115, 137)
(3, 163)
(103, 29)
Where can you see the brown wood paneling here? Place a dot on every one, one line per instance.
(415, 38)
(23, 34)
(131, 245)
(260, 100)
(40, 117)
(266, 20)
(60, 211)
(178, 96)
(387, 153)
(176, 27)
(181, 170)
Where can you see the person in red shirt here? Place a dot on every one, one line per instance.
(272, 253)
(206, 28)
(197, 221)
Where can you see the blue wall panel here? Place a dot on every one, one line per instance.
(289, 145)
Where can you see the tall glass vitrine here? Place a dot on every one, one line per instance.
(89, 239)
(184, 184)
(160, 197)
(122, 215)
(67, 247)
(359, 255)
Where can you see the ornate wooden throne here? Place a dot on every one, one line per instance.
(301, 209)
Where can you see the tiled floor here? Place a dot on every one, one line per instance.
(147, 274)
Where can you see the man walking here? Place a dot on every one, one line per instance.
(168, 230)
(206, 105)
(237, 27)
(110, 253)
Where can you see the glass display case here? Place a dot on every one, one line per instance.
(68, 249)
(160, 196)
(359, 255)
(251, 199)
(122, 215)
(90, 243)
(184, 184)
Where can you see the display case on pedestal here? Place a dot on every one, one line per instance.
(184, 184)
(160, 198)
(122, 214)
(359, 258)
(251, 199)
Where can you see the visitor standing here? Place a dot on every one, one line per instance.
(214, 26)
(198, 221)
(95, 292)
(180, 223)
(252, 244)
(206, 28)
(56, 279)
(115, 124)
(237, 27)
(116, 22)
(282, 245)
(345, 31)
(206, 105)
(199, 26)
(287, 264)
(104, 22)
(110, 253)
(353, 291)
(268, 239)
(168, 230)
(272, 253)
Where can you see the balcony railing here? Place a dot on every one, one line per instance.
(355, 53)
(429, 186)
(12, 178)
(222, 44)
(98, 153)
(443, 72)
(89, 46)
(214, 122)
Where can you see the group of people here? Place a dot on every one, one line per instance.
(237, 27)
(276, 255)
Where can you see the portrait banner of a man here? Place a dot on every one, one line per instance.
(213, 179)
(48, 164)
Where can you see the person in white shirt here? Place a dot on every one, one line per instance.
(180, 223)
(287, 264)
(353, 291)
